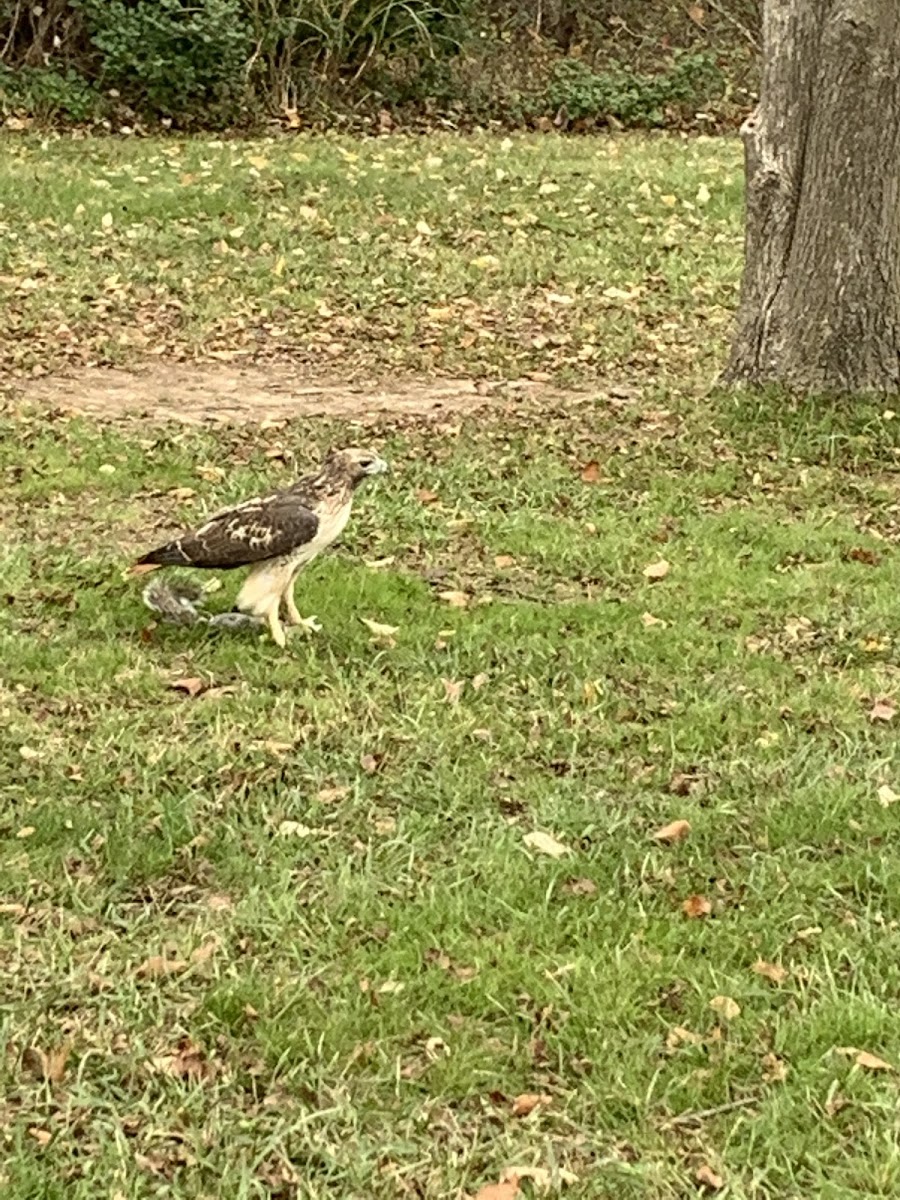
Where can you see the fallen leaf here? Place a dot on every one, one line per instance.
(527, 1103)
(42, 1136)
(189, 1061)
(697, 13)
(656, 570)
(293, 829)
(453, 690)
(882, 710)
(707, 1178)
(774, 1069)
(479, 680)
(504, 561)
(871, 1062)
(391, 987)
(424, 496)
(508, 1190)
(703, 195)
(455, 599)
(774, 972)
(649, 621)
(727, 1008)
(158, 967)
(679, 1036)
(26, 831)
(370, 763)
(328, 795)
(675, 831)
(887, 796)
(590, 472)
(863, 555)
(580, 887)
(696, 906)
(379, 630)
(191, 687)
(49, 1067)
(545, 844)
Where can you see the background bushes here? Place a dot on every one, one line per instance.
(212, 62)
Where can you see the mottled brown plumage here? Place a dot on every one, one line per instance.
(275, 534)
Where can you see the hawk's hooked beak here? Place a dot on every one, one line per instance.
(378, 467)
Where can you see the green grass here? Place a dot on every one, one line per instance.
(426, 254)
(384, 962)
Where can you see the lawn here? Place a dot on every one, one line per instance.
(384, 915)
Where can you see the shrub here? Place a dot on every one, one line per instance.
(629, 97)
(48, 94)
(171, 56)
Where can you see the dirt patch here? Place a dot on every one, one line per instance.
(220, 393)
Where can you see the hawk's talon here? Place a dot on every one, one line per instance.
(310, 624)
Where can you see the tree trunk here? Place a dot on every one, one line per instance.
(820, 301)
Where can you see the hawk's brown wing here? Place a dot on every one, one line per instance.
(265, 527)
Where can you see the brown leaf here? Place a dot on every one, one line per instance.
(882, 710)
(683, 784)
(696, 906)
(675, 831)
(370, 763)
(697, 14)
(191, 687)
(727, 1008)
(527, 1103)
(453, 690)
(656, 570)
(862, 554)
(424, 496)
(871, 1062)
(774, 1069)
(205, 952)
(455, 599)
(707, 1178)
(158, 967)
(49, 1067)
(508, 1190)
(503, 561)
(679, 1036)
(328, 795)
(581, 887)
(774, 972)
(590, 472)
(189, 1061)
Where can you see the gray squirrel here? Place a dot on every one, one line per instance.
(183, 603)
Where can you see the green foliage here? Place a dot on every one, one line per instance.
(48, 94)
(632, 98)
(171, 55)
(341, 37)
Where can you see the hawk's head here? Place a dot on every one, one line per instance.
(355, 464)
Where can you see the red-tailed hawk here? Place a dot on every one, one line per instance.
(276, 535)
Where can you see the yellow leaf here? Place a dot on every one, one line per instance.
(656, 570)
(727, 1008)
(871, 1062)
(675, 831)
(774, 972)
(545, 844)
(454, 599)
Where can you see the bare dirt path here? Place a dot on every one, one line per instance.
(225, 393)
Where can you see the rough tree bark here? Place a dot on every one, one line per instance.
(820, 301)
